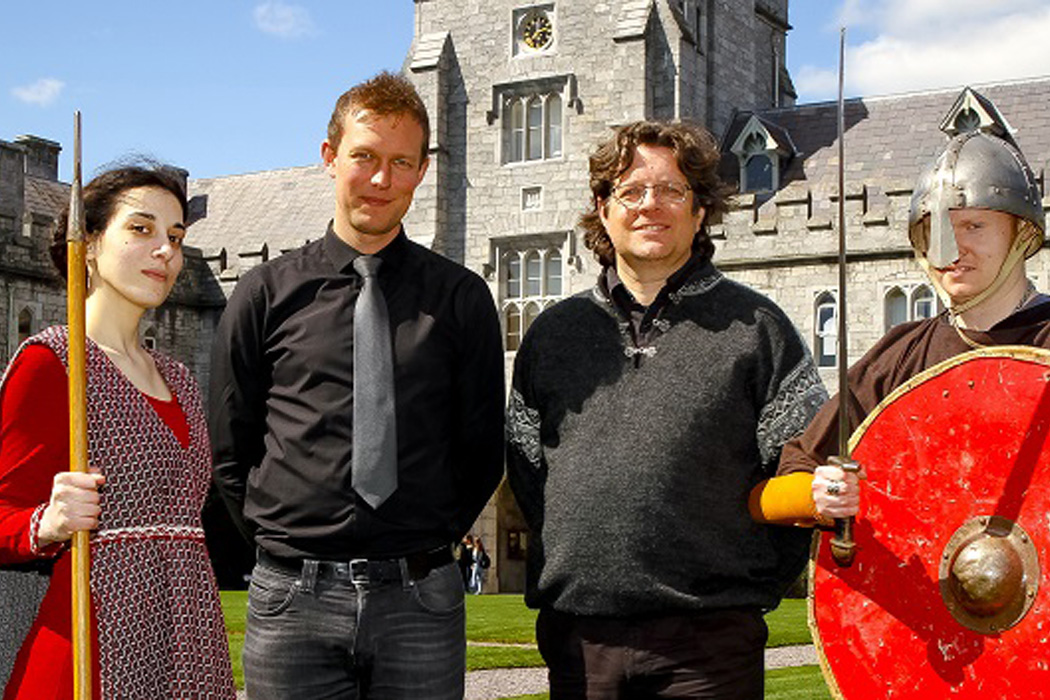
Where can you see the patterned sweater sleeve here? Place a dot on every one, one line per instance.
(888, 363)
(34, 446)
(794, 395)
(526, 466)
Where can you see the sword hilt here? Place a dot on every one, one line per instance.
(843, 546)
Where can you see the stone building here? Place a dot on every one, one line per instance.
(519, 94)
(32, 294)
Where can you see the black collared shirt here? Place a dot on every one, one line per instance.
(643, 319)
(281, 402)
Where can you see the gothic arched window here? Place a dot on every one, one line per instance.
(534, 136)
(512, 325)
(553, 126)
(516, 131)
(896, 308)
(533, 274)
(25, 325)
(531, 282)
(758, 173)
(923, 303)
(552, 277)
(826, 330)
(533, 125)
(967, 120)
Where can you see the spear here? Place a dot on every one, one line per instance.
(842, 545)
(76, 292)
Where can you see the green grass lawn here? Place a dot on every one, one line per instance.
(797, 683)
(500, 618)
(235, 610)
(479, 658)
(505, 619)
(787, 624)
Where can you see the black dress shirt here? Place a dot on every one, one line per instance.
(643, 320)
(281, 402)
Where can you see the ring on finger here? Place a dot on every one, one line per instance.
(835, 488)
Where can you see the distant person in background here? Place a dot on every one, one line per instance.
(479, 568)
(465, 559)
(160, 630)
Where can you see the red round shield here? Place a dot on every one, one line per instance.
(948, 594)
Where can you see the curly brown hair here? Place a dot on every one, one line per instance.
(384, 95)
(697, 155)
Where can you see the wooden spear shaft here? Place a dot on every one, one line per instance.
(78, 443)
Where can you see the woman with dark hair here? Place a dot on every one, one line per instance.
(158, 628)
(479, 568)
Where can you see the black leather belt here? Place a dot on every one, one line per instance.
(417, 566)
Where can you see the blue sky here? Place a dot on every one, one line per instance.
(234, 86)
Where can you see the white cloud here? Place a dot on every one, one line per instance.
(42, 93)
(916, 19)
(285, 21)
(816, 83)
(917, 45)
(856, 13)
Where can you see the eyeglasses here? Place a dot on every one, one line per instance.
(633, 196)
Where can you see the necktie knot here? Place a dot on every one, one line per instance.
(367, 265)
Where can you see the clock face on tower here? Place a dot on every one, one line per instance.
(536, 30)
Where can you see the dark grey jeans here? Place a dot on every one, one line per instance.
(318, 638)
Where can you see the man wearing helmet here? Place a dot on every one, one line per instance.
(976, 215)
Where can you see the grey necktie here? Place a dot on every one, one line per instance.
(374, 467)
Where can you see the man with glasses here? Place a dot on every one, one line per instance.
(642, 413)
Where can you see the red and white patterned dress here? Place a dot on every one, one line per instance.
(159, 626)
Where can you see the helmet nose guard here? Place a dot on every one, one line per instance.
(978, 171)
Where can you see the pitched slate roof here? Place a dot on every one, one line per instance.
(890, 139)
(281, 209)
(46, 197)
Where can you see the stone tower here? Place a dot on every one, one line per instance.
(519, 95)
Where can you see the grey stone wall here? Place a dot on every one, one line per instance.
(12, 188)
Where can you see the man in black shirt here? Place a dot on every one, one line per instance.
(355, 593)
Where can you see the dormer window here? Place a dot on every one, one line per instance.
(761, 148)
(973, 111)
(757, 166)
(967, 121)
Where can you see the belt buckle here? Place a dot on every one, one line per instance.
(359, 571)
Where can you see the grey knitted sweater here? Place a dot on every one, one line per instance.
(633, 465)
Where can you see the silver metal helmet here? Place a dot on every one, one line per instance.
(979, 171)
